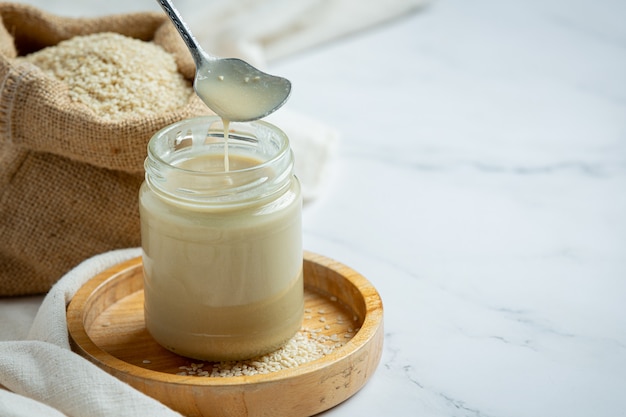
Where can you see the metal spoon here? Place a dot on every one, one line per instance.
(232, 88)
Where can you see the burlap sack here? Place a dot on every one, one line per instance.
(68, 178)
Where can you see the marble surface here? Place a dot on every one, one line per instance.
(480, 185)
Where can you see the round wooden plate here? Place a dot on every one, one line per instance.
(106, 326)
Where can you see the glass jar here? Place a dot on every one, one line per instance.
(222, 247)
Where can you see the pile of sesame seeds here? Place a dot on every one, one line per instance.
(114, 75)
(315, 340)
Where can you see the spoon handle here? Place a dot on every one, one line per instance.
(197, 52)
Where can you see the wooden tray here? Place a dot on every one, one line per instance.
(106, 326)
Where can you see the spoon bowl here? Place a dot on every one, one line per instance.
(235, 90)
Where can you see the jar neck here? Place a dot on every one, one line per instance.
(186, 162)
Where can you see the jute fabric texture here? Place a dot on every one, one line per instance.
(69, 177)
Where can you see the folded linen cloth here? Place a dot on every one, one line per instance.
(46, 378)
(314, 145)
(260, 31)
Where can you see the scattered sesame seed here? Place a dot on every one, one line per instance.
(306, 346)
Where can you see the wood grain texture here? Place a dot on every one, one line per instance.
(106, 326)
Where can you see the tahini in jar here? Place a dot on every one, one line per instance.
(222, 245)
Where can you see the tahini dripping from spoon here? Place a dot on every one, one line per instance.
(235, 90)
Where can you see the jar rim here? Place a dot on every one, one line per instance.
(207, 122)
(198, 136)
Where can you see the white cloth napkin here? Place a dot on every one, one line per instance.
(46, 378)
(314, 145)
(264, 30)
